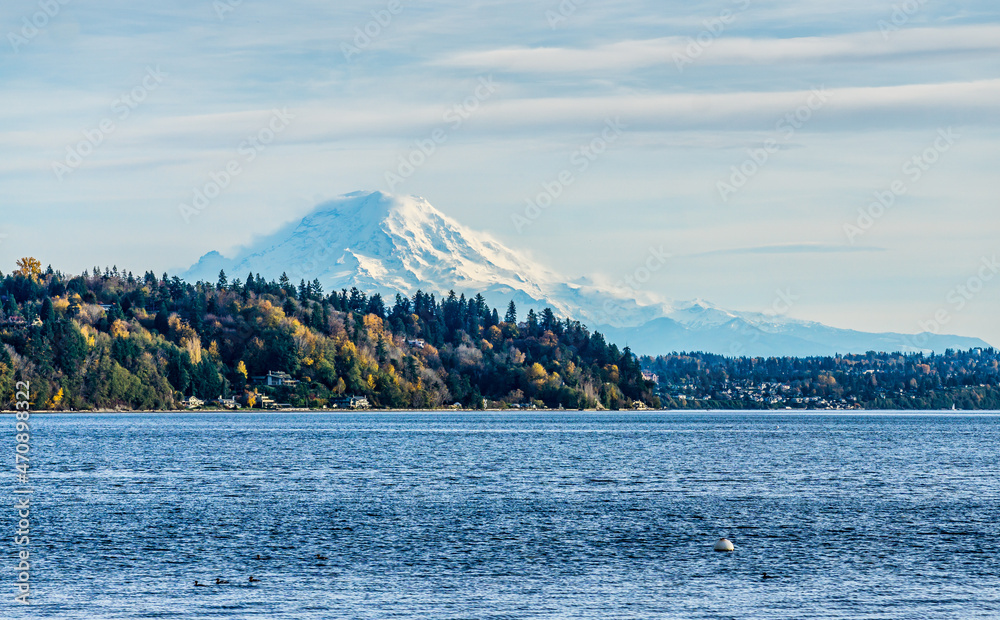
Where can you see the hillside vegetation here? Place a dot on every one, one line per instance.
(108, 339)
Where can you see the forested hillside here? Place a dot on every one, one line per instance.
(876, 380)
(108, 339)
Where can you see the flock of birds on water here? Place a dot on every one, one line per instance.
(219, 581)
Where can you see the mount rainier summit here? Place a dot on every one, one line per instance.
(392, 244)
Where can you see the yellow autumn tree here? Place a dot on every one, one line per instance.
(56, 399)
(536, 375)
(29, 267)
(374, 326)
(119, 329)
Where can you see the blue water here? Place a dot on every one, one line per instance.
(552, 515)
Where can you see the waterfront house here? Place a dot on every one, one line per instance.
(350, 402)
(192, 402)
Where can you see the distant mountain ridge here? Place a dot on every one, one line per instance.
(386, 243)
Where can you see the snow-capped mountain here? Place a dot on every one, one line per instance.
(400, 244)
(385, 243)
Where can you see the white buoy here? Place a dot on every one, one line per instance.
(724, 544)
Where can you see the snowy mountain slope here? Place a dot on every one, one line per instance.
(392, 244)
(389, 244)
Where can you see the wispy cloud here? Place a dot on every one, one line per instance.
(625, 55)
(651, 112)
(789, 248)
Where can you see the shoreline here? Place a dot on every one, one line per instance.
(617, 411)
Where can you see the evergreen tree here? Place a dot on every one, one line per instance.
(549, 320)
(46, 314)
(161, 322)
(532, 321)
(511, 316)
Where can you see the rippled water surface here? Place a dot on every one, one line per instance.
(568, 515)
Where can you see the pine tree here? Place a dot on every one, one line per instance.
(532, 323)
(46, 314)
(511, 316)
(549, 320)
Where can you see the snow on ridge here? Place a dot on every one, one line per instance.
(389, 244)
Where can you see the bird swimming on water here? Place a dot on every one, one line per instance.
(199, 584)
(321, 557)
(252, 580)
(219, 581)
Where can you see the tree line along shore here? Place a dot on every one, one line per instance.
(109, 340)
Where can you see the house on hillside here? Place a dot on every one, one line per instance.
(15, 321)
(276, 379)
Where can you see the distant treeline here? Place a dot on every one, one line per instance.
(108, 339)
(965, 379)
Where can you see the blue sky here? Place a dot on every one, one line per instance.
(867, 134)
